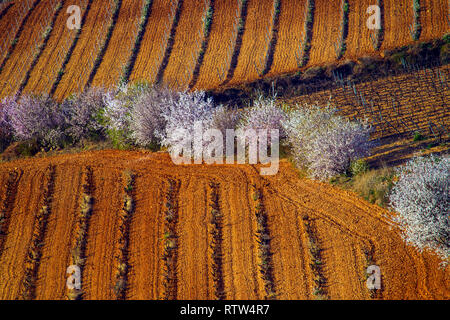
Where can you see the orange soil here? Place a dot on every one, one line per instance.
(91, 38)
(220, 42)
(342, 231)
(153, 43)
(23, 54)
(254, 46)
(194, 277)
(291, 32)
(343, 254)
(120, 45)
(326, 31)
(146, 238)
(3, 179)
(345, 224)
(3, 187)
(56, 253)
(188, 39)
(289, 248)
(240, 266)
(434, 17)
(8, 21)
(103, 235)
(407, 92)
(48, 65)
(358, 40)
(398, 17)
(19, 232)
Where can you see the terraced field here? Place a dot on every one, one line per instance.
(193, 233)
(168, 47)
(409, 109)
(396, 107)
(139, 227)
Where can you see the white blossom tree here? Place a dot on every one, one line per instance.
(421, 199)
(325, 142)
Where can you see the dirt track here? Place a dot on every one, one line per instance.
(345, 225)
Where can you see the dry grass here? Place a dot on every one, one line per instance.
(373, 185)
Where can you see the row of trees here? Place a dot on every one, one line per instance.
(318, 139)
(144, 116)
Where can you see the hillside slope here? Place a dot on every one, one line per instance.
(174, 32)
(350, 232)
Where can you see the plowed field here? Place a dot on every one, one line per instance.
(83, 56)
(395, 106)
(120, 44)
(51, 59)
(173, 55)
(345, 227)
(22, 56)
(154, 41)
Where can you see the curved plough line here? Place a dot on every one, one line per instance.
(48, 33)
(78, 251)
(7, 206)
(302, 256)
(33, 258)
(137, 44)
(362, 205)
(170, 42)
(18, 34)
(125, 217)
(370, 261)
(264, 247)
(205, 42)
(303, 59)
(170, 237)
(369, 248)
(5, 10)
(216, 244)
(274, 37)
(62, 70)
(364, 239)
(105, 44)
(317, 263)
(238, 43)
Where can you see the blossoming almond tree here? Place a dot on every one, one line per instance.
(263, 114)
(181, 113)
(325, 142)
(83, 112)
(6, 130)
(421, 199)
(37, 117)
